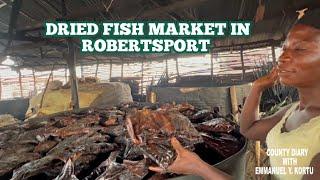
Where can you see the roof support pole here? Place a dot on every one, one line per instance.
(142, 68)
(20, 83)
(234, 102)
(97, 69)
(167, 70)
(65, 74)
(110, 73)
(177, 66)
(81, 68)
(13, 21)
(121, 69)
(242, 63)
(71, 61)
(211, 65)
(34, 81)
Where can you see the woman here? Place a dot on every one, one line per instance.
(295, 126)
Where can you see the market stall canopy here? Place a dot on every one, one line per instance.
(21, 24)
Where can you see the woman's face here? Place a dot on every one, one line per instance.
(299, 63)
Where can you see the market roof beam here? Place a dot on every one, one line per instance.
(170, 8)
(19, 37)
(87, 12)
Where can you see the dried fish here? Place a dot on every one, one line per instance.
(32, 168)
(112, 121)
(67, 172)
(225, 147)
(201, 116)
(151, 132)
(126, 170)
(221, 136)
(216, 125)
(103, 166)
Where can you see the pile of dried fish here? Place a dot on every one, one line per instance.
(198, 115)
(111, 143)
(221, 136)
(151, 132)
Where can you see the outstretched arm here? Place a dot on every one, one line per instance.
(190, 163)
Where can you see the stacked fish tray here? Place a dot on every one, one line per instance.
(113, 143)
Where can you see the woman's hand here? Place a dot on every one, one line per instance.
(186, 162)
(252, 126)
(190, 163)
(267, 81)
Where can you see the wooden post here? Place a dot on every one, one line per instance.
(97, 68)
(81, 68)
(177, 66)
(211, 65)
(167, 71)
(34, 81)
(71, 60)
(15, 8)
(110, 73)
(65, 75)
(141, 77)
(20, 83)
(122, 70)
(242, 63)
(234, 102)
(273, 55)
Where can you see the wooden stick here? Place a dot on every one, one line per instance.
(81, 68)
(45, 89)
(52, 77)
(141, 77)
(234, 102)
(110, 73)
(122, 70)
(177, 66)
(65, 75)
(34, 81)
(242, 63)
(167, 71)
(97, 68)
(20, 83)
(211, 65)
